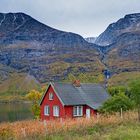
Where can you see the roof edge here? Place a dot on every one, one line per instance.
(44, 94)
(53, 86)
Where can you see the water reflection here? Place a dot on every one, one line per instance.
(15, 111)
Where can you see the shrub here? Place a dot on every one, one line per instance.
(116, 103)
(35, 96)
(117, 89)
(135, 94)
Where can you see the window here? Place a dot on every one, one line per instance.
(46, 110)
(78, 111)
(51, 96)
(56, 111)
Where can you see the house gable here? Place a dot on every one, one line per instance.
(46, 92)
(51, 103)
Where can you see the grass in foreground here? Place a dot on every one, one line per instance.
(101, 128)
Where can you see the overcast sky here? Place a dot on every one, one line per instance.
(85, 17)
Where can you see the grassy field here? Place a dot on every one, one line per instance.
(101, 128)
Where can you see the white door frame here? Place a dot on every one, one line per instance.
(87, 113)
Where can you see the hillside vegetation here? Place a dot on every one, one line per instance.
(17, 86)
(123, 78)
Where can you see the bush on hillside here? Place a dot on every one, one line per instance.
(118, 89)
(116, 103)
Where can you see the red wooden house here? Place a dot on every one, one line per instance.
(65, 100)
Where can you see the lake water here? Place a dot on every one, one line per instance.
(15, 112)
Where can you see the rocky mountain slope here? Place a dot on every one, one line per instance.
(28, 46)
(130, 23)
(124, 55)
(121, 40)
(90, 39)
(32, 50)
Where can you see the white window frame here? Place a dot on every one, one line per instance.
(51, 96)
(46, 110)
(56, 111)
(77, 111)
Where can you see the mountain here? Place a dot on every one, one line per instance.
(130, 23)
(90, 39)
(32, 53)
(48, 54)
(121, 44)
(21, 27)
(124, 54)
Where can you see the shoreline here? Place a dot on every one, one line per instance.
(14, 102)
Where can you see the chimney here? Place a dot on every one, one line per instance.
(76, 83)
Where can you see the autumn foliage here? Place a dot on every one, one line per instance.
(35, 96)
(33, 129)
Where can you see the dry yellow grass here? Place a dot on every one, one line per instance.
(26, 129)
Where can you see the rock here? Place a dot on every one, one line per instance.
(31, 47)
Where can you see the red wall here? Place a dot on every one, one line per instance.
(69, 111)
(64, 111)
(51, 103)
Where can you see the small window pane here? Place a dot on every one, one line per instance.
(77, 110)
(51, 96)
(74, 111)
(56, 111)
(46, 110)
(80, 111)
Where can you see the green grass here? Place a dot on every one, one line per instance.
(130, 131)
(124, 131)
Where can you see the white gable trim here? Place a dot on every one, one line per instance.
(57, 94)
(44, 94)
(51, 85)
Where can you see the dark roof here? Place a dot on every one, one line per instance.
(93, 95)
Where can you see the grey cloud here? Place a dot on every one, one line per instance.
(86, 17)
